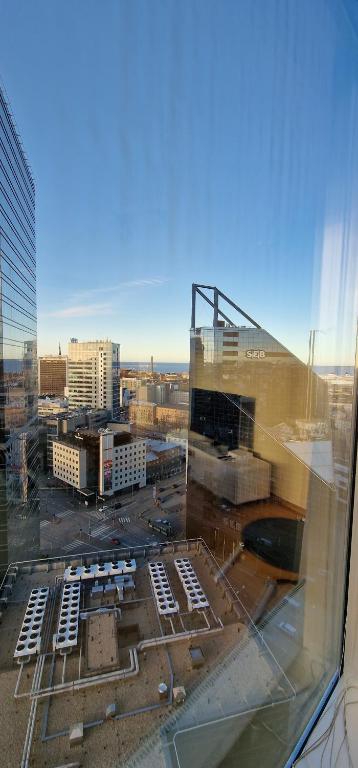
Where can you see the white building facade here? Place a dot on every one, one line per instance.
(70, 464)
(109, 461)
(93, 375)
(123, 464)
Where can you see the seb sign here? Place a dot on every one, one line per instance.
(256, 353)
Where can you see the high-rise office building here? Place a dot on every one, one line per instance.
(19, 461)
(261, 448)
(94, 375)
(52, 373)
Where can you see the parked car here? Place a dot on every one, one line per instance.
(161, 526)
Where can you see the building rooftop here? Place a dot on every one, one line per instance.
(83, 436)
(112, 649)
(160, 446)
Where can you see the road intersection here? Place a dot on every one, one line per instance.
(68, 526)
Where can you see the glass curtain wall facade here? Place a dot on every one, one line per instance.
(274, 509)
(272, 423)
(203, 615)
(19, 503)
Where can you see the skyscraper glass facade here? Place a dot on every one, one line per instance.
(199, 620)
(272, 501)
(19, 505)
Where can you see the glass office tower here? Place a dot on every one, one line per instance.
(19, 504)
(269, 466)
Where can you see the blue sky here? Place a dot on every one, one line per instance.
(200, 141)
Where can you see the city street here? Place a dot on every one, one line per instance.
(68, 526)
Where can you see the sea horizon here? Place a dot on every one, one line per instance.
(159, 367)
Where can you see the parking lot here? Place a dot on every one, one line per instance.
(67, 525)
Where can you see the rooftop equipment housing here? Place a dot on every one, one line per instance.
(99, 570)
(29, 640)
(67, 630)
(195, 596)
(164, 597)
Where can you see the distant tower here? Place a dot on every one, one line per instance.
(59, 349)
(152, 365)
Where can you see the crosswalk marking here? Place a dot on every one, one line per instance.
(97, 515)
(112, 534)
(124, 519)
(99, 530)
(65, 513)
(73, 545)
(43, 523)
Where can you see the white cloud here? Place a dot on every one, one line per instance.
(82, 310)
(145, 282)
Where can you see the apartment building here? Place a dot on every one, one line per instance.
(94, 375)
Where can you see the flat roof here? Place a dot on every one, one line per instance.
(121, 634)
(118, 679)
(160, 446)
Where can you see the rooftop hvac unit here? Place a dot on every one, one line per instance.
(164, 597)
(194, 593)
(29, 640)
(67, 630)
(99, 570)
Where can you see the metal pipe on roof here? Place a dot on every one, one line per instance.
(77, 685)
(158, 641)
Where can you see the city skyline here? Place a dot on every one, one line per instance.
(178, 535)
(132, 206)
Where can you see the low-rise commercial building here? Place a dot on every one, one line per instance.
(50, 406)
(104, 461)
(173, 416)
(164, 459)
(179, 437)
(55, 426)
(142, 413)
(70, 463)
